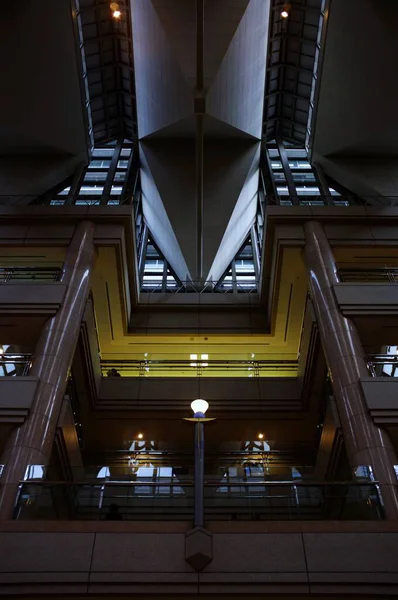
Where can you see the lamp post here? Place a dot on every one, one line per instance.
(199, 408)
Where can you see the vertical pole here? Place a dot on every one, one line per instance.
(199, 197)
(200, 25)
(199, 475)
(200, 18)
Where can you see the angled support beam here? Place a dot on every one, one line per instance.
(291, 186)
(111, 173)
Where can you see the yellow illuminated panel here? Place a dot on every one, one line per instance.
(155, 354)
(32, 256)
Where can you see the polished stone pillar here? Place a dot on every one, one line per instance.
(31, 444)
(366, 443)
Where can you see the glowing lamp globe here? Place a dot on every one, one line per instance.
(199, 408)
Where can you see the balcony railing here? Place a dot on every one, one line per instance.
(171, 500)
(12, 364)
(368, 275)
(382, 365)
(308, 199)
(198, 367)
(171, 286)
(30, 274)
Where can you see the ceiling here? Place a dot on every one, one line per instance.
(199, 89)
(43, 129)
(186, 74)
(292, 59)
(356, 131)
(108, 68)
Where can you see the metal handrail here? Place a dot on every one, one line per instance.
(368, 274)
(30, 273)
(199, 365)
(208, 483)
(260, 363)
(102, 482)
(169, 499)
(16, 359)
(201, 287)
(332, 199)
(381, 360)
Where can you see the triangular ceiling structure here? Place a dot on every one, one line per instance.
(178, 20)
(201, 198)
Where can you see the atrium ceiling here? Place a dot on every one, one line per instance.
(43, 127)
(200, 71)
(292, 68)
(356, 131)
(185, 80)
(108, 69)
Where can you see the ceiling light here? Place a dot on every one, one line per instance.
(116, 14)
(284, 14)
(260, 436)
(199, 408)
(1, 350)
(140, 436)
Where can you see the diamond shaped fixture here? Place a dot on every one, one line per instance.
(198, 548)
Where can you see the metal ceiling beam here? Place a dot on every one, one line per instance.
(200, 20)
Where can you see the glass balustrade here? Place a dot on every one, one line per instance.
(166, 499)
(198, 365)
(30, 274)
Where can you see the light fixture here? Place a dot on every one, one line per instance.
(284, 14)
(199, 408)
(260, 436)
(140, 436)
(1, 350)
(116, 14)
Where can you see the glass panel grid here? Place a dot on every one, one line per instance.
(95, 180)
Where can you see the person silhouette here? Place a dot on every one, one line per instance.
(113, 373)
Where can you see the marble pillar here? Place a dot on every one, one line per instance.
(366, 443)
(31, 444)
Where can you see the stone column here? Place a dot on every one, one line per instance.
(31, 444)
(366, 443)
